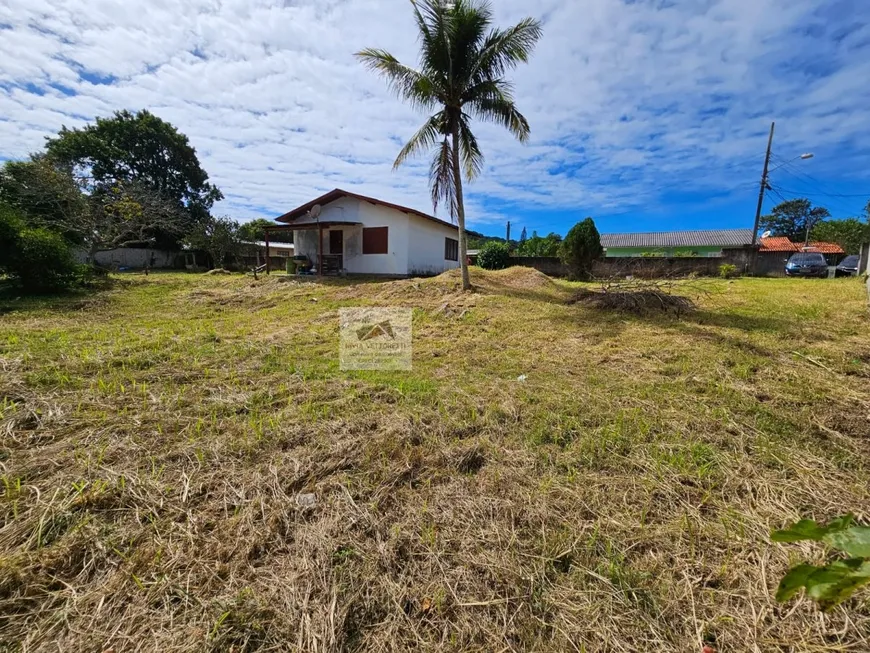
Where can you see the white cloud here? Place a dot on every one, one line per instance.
(627, 100)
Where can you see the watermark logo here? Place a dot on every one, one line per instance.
(375, 338)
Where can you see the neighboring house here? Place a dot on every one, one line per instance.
(675, 243)
(275, 249)
(362, 235)
(785, 247)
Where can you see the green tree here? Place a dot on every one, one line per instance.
(523, 237)
(46, 194)
(35, 259)
(119, 214)
(461, 76)
(220, 237)
(137, 148)
(849, 233)
(581, 248)
(254, 231)
(537, 246)
(794, 219)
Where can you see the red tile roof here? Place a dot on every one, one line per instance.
(777, 244)
(783, 244)
(826, 248)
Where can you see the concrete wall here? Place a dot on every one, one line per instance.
(646, 267)
(864, 259)
(129, 257)
(663, 252)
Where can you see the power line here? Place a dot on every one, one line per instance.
(788, 166)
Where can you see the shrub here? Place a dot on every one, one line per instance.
(494, 255)
(42, 262)
(10, 228)
(580, 249)
(727, 271)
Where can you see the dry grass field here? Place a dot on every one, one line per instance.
(160, 440)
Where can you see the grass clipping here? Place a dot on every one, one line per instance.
(638, 296)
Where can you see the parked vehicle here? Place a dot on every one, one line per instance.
(848, 267)
(807, 264)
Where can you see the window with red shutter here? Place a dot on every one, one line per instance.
(375, 240)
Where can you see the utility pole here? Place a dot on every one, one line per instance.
(763, 185)
(508, 232)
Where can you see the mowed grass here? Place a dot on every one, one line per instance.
(159, 440)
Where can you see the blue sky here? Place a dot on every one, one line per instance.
(646, 115)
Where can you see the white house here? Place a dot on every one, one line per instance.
(363, 235)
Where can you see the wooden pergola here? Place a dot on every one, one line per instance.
(320, 226)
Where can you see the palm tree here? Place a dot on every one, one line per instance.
(462, 65)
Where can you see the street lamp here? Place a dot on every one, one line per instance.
(764, 176)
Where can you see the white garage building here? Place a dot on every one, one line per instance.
(343, 231)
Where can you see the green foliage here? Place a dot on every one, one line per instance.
(849, 234)
(138, 148)
(37, 260)
(254, 231)
(11, 226)
(538, 246)
(793, 218)
(830, 584)
(45, 194)
(728, 271)
(494, 256)
(581, 248)
(219, 237)
(463, 60)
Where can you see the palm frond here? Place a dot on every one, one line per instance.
(423, 139)
(505, 49)
(469, 150)
(503, 112)
(407, 83)
(441, 182)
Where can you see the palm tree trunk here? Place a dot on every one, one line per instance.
(460, 208)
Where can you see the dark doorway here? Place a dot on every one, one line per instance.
(336, 241)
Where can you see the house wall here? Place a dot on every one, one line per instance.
(426, 253)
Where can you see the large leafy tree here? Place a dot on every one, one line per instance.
(463, 60)
(849, 233)
(141, 149)
(794, 219)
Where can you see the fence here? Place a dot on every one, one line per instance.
(134, 257)
(657, 267)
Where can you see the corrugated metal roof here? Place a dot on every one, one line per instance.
(700, 238)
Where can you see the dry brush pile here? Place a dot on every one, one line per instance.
(185, 468)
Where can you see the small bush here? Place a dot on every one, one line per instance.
(494, 255)
(727, 271)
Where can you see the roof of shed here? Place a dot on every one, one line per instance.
(699, 238)
(777, 244)
(338, 193)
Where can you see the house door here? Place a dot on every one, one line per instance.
(336, 241)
